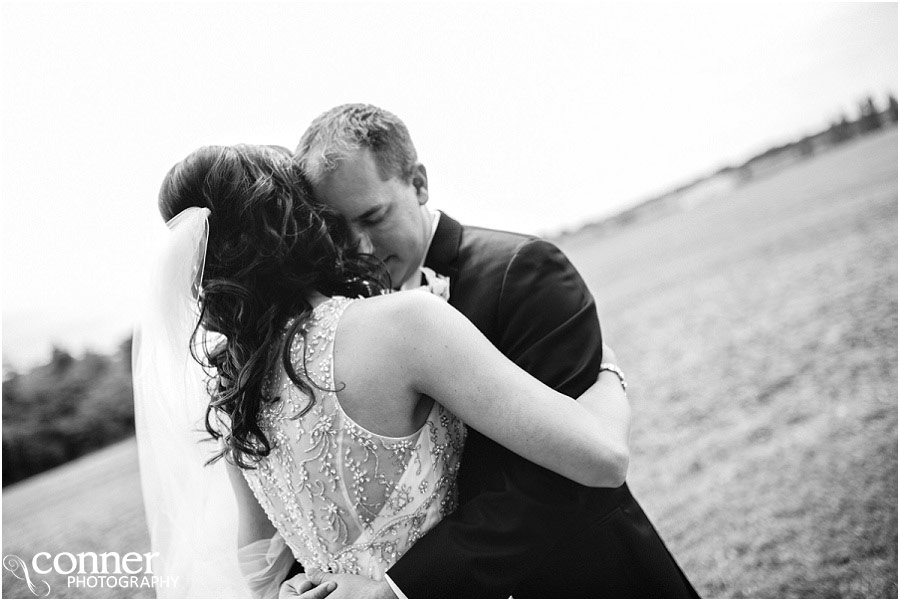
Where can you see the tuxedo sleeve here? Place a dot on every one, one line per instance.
(548, 325)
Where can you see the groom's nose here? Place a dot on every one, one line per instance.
(364, 241)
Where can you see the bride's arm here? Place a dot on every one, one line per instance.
(452, 362)
(606, 399)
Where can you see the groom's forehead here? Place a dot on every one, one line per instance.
(353, 207)
(356, 174)
(356, 189)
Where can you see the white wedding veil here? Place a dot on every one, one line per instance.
(191, 508)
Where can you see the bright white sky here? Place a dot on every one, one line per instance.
(529, 116)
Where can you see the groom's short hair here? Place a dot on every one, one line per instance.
(337, 134)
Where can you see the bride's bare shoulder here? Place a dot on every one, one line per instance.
(397, 310)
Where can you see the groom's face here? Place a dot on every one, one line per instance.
(386, 216)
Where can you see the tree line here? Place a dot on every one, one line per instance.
(57, 412)
(869, 119)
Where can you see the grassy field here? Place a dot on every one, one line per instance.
(759, 336)
(91, 504)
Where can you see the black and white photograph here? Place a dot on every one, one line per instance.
(442, 299)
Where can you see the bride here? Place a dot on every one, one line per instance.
(333, 413)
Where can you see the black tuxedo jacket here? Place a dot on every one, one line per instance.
(520, 529)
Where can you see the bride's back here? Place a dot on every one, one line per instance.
(352, 482)
(375, 385)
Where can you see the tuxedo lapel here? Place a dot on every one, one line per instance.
(443, 254)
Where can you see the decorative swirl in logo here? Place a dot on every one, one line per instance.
(19, 569)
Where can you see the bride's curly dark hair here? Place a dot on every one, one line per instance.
(270, 247)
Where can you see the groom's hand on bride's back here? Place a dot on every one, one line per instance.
(299, 587)
(316, 584)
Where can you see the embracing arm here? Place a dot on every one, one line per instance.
(548, 325)
(452, 362)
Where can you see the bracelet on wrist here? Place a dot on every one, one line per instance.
(612, 367)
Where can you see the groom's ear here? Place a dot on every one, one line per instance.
(420, 182)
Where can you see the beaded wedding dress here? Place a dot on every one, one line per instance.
(345, 499)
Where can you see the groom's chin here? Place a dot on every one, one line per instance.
(396, 272)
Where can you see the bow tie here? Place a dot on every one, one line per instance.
(435, 283)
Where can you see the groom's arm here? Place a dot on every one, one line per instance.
(548, 325)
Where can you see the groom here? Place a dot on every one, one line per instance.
(520, 529)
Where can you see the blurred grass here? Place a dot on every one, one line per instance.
(759, 337)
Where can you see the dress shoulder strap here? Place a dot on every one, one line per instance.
(312, 347)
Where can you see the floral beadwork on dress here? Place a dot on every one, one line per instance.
(343, 498)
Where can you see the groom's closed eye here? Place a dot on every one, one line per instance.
(373, 217)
